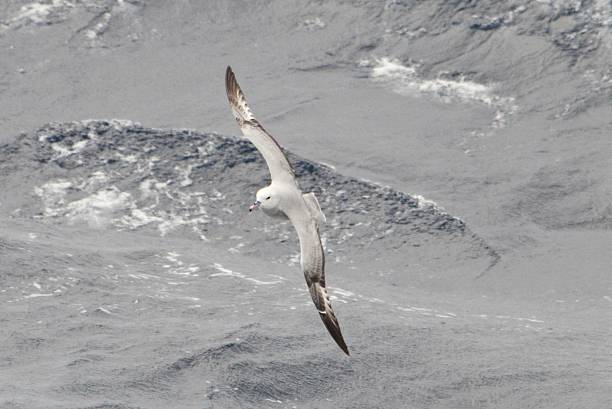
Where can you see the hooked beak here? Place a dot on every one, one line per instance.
(254, 206)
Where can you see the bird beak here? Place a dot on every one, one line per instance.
(254, 206)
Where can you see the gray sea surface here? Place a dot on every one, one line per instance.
(460, 151)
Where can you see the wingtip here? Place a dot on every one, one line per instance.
(334, 330)
(229, 79)
(344, 348)
(346, 351)
(342, 345)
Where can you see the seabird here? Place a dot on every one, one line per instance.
(284, 199)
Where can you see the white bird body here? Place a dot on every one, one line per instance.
(284, 199)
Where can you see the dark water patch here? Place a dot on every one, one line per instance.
(242, 345)
(122, 176)
(223, 353)
(26, 344)
(306, 378)
(88, 386)
(567, 194)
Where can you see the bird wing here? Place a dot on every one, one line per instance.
(313, 265)
(279, 166)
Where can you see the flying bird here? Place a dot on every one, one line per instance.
(283, 199)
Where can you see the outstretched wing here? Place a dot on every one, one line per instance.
(313, 265)
(279, 166)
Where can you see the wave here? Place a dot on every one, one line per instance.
(406, 80)
(122, 176)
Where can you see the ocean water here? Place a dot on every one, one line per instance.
(459, 151)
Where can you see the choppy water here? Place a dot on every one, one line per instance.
(110, 222)
(133, 275)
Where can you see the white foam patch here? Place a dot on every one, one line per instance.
(51, 286)
(462, 89)
(104, 310)
(338, 294)
(173, 221)
(389, 69)
(427, 204)
(94, 32)
(273, 400)
(40, 12)
(37, 295)
(423, 203)
(96, 181)
(53, 196)
(139, 218)
(63, 151)
(105, 204)
(528, 319)
(102, 198)
(328, 165)
(207, 149)
(313, 24)
(126, 158)
(178, 267)
(405, 80)
(99, 209)
(152, 190)
(185, 173)
(225, 272)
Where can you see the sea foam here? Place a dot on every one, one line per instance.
(406, 80)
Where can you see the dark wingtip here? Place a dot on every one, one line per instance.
(334, 330)
(229, 79)
(345, 350)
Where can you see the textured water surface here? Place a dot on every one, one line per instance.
(459, 150)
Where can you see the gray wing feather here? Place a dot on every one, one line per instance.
(278, 164)
(313, 265)
(314, 208)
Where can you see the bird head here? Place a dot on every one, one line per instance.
(266, 199)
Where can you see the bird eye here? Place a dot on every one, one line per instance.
(268, 198)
